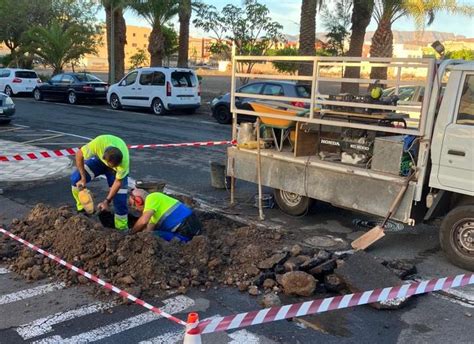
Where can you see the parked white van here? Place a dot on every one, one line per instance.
(14, 81)
(159, 88)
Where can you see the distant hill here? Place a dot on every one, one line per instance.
(400, 36)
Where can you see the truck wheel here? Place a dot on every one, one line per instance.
(291, 203)
(457, 236)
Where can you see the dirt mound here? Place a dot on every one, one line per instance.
(251, 259)
(141, 262)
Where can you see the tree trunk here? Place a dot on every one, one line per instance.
(156, 46)
(120, 36)
(184, 19)
(307, 35)
(120, 39)
(361, 15)
(382, 46)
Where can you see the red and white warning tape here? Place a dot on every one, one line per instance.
(95, 279)
(231, 322)
(332, 303)
(47, 154)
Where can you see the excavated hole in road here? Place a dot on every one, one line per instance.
(228, 253)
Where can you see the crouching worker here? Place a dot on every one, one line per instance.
(165, 216)
(105, 155)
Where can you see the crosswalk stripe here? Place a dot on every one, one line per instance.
(237, 337)
(44, 325)
(243, 337)
(167, 338)
(32, 292)
(4, 271)
(172, 306)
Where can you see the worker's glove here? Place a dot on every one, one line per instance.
(103, 206)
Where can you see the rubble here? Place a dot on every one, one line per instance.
(298, 283)
(270, 300)
(362, 272)
(226, 254)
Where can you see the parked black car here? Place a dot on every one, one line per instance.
(72, 87)
(220, 106)
(7, 108)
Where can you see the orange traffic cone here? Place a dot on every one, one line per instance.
(192, 335)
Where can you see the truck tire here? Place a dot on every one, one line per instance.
(457, 236)
(291, 203)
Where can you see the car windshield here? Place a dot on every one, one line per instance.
(303, 91)
(183, 79)
(84, 77)
(24, 74)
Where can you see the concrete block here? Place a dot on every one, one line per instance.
(362, 272)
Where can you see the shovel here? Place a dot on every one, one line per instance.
(377, 233)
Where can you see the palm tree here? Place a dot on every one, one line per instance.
(361, 14)
(58, 45)
(386, 12)
(307, 37)
(114, 15)
(184, 14)
(157, 13)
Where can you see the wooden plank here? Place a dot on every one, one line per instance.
(305, 143)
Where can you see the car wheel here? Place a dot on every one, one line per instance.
(37, 94)
(72, 98)
(223, 115)
(291, 203)
(115, 102)
(157, 107)
(8, 91)
(456, 236)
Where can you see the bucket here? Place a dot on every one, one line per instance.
(246, 133)
(218, 175)
(267, 201)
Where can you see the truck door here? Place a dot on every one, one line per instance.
(456, 168)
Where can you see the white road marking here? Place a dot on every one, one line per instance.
(238, 337)
(172, 306)
(69, 134)
(44, 325)
(243, 337)
(32, 292)
(4, 271)
(166, 338)
(21, 126)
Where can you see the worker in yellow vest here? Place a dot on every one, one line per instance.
(105, 155)
(164, 215)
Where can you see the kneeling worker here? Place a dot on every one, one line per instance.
(105, 155)
(165, 216)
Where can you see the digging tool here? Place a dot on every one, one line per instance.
(377, 233)
(259, 173)
(86, 199)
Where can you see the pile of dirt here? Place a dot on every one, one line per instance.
(252, 259)
(141, 262)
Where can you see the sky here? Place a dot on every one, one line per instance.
(287, 13)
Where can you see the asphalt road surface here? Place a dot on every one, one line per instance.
(59, 315)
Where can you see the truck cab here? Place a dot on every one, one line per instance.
(452, 166)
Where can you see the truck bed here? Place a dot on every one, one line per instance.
(345, 186)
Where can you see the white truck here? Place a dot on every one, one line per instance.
(356, 152)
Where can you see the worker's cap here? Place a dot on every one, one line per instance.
(138, 197)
